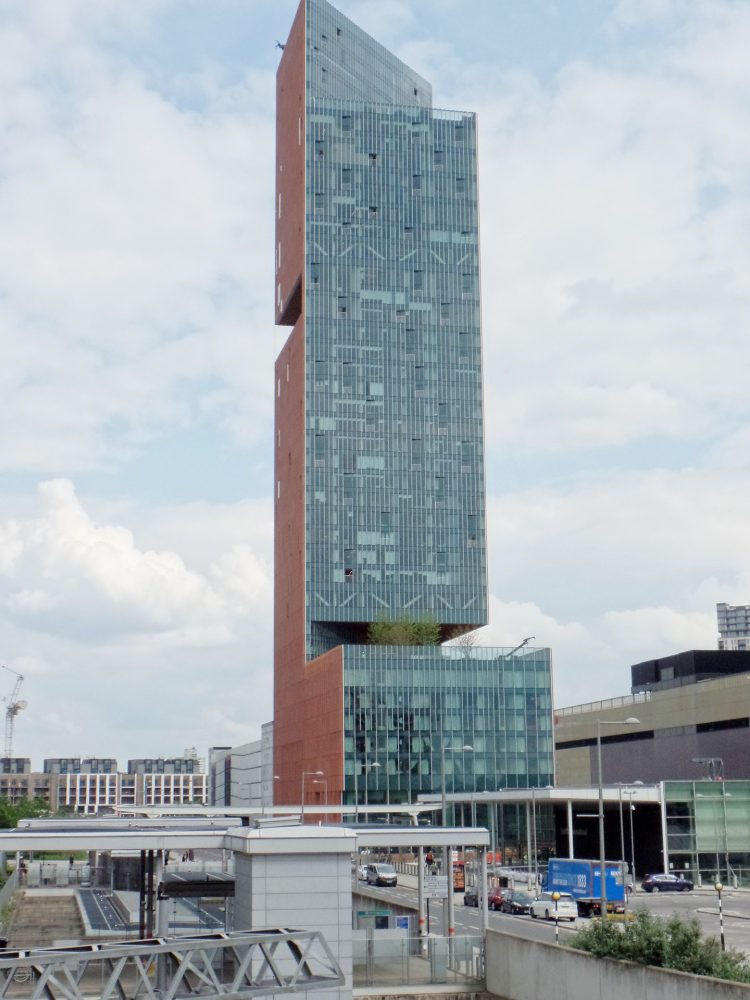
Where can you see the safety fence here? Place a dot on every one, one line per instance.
(388, 959)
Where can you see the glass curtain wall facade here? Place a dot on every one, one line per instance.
(395, 485)
(380, 495)
(402, 705)
(708, 830)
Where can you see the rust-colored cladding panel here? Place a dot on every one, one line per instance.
(290, 175)
(308, 696)
(289, 556)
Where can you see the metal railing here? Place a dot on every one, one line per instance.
(388, 959)
(210, 966)
(600, 706)
(9, 887)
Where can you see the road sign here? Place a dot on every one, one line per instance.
(435, 886)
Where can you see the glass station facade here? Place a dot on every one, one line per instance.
(708, 829)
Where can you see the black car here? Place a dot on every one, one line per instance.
(666, 883)
(516, 902)
(471, 896)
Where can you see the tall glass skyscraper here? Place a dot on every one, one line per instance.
(380, 509)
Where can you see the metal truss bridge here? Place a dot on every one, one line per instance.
(237, 965)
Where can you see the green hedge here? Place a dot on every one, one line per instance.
(670, 943)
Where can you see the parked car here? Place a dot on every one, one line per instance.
(517, 902)
(495, 898)
(666, 883)
(471, 896)
(544, 906)
(381, 874)
(362, 873)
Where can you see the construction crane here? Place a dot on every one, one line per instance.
(14, 705)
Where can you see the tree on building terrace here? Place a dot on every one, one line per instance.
(423, 631)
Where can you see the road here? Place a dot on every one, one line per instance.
(701, 904)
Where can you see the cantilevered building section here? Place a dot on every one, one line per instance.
(380, 509)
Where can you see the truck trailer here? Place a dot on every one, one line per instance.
(582, 880)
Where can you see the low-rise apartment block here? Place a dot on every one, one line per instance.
(92, 785)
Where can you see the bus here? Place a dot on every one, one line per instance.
(459, 876)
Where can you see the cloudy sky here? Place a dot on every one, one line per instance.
(136, 343)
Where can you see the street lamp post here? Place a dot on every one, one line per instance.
(556, 898)
(276, 777)
(602, 854)
(375, 765)
(443, 751)
(447, 858)
(630, 792)
(533, 840)
(723, 799)
(365, 767)
(356, 789)
(724, 796)
(324, 783)
(717, 774)
(308, 774)
(622, 849)
(718, 886)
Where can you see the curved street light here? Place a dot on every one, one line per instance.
(447, 864)
(308, 774)
(466, 748)
(602, 854)
(374, 765)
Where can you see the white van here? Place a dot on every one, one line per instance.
(381, 874)
(544, 906)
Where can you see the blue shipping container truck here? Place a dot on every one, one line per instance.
(581, 880)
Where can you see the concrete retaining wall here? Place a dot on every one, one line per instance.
(519, 969)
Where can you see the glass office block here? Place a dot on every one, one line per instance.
(403, 704)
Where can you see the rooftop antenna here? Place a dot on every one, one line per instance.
(14, 705)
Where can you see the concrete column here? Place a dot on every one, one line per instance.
(448, 911)
(420, 892)
(528, 837)
(158, 904)
(162, 922)
(483, 898)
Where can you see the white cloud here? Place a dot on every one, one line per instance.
(134, 285)
(614, 208)
(617, 570)
(97, 580)
(64, 726)
(135, 276)
(591, 659)
(615, 542)
(148, 648)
